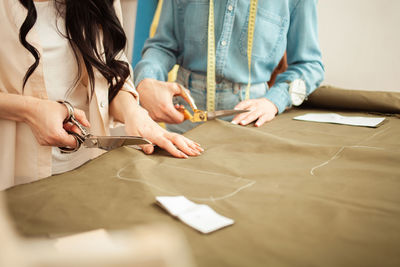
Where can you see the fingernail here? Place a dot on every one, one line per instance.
(257, 125)
(183, 155)
(197, 152)
(243, 122)
(197, 146)
(234, 122)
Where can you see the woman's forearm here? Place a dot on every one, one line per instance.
(16, 107)
(124, 106)
(44, 117)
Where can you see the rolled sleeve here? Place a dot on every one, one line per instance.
(154, 65)
(303, 51)
(279, 95)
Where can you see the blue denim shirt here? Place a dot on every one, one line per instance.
(281, 25)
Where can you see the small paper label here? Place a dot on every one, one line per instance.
(205, 219)
(200, 217)
(176, 205)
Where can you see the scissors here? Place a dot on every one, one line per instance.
(90, 141)
(201, 115)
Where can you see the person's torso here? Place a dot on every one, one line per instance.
(231, 29)
(61, 74)
(24, 159)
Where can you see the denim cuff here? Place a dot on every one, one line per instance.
(279, 95)
(149, 73)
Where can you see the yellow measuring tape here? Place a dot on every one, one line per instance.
(211, 60)
(250, 35)
(211, 52)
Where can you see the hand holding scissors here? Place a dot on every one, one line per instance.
(201, 115)
(156, 97)
(91, 141)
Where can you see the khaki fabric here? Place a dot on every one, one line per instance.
(301, 193)
(335, 98)
(144, 246)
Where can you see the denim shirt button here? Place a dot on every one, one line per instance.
(230, 7)
(223, 43)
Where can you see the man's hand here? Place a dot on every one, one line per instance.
(261, 110)
(156, 98)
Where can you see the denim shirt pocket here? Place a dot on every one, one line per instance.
(269, 32)
(196, 21)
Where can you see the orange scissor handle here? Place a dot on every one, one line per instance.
(185, 112)
(185, 95)
(198, 115)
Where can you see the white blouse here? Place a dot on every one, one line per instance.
(60, 69)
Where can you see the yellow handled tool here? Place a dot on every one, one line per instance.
(201, 115)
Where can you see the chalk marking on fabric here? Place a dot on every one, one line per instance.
(337, 154)
(328, 161)
(374, 135)
(234, 192)
(367, 147)
(211, 198)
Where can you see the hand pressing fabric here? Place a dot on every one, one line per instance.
(176, 144)
(261, 110)
(124, 108)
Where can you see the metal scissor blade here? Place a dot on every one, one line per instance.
(222, 113)
(111, 142)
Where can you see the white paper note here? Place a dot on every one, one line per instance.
(176, 205)
(338, 119)
(200, 217)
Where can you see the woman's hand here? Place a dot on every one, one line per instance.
(44, 117)
(261, 110)
(46, 121)
(176, 144)
(137, 121)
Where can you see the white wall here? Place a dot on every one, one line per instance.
(360, 41)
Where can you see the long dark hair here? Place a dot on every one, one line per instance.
(88, 22)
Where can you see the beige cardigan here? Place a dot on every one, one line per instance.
(22, 159)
